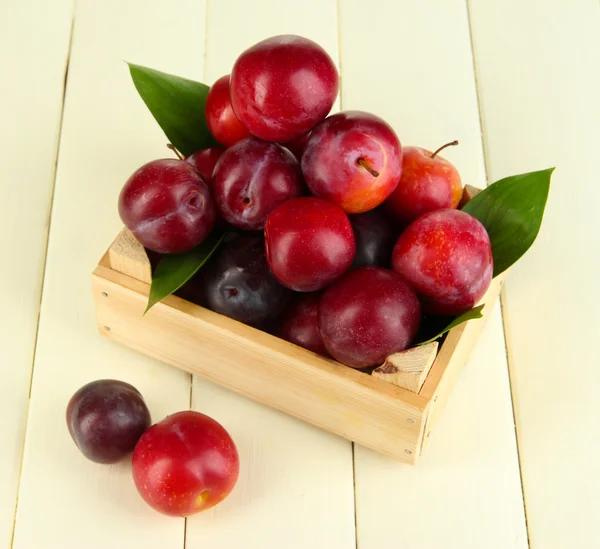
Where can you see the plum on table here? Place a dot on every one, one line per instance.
(185, 464)
(106, 418)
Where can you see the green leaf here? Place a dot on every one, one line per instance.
(511, 210)
(177, 104)
(469, 315)
(173, 271)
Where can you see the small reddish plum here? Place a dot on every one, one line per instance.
(354, 159)
(299, 324)
(283, 86)
(251, 179)
(239, 284)
(367, 315)
(106, 418)
(446, 257)
(204, 161)
(375, 239)
(220, 118)
(185, 464)
(428, 183)
(167, 206)
(309, 243)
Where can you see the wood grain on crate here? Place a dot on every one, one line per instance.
(414, 67)
(549, 116)
(34, 46)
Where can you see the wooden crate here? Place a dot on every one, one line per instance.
(391, 419)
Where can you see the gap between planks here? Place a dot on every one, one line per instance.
(502, 290)
(44, 263)
(204, 61)
(340, 68)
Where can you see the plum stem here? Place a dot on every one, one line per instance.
(179, 155)
(363, 164)
(451, 144)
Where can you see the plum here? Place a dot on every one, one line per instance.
(283, 86)
(106, 418)
(185, 464)
(354, 159)
(204, 161)
(220, 118)
(299, 324)
(446, 257)
(297, 146)
(428, 183)
(309, 243)
(374, 239)
(251, 179)
(167, 206)
(367, 315)
(239, 284)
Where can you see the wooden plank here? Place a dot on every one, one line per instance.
(410, 62)
(34, 45)
(281, 499)
(64, 500)
(548, 116)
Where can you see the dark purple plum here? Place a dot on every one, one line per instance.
(239, 284)
(167, 206)
(374, 237)
(106, 418)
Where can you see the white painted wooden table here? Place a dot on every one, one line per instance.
(515, 462)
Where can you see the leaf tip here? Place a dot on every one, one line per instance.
(151, 303)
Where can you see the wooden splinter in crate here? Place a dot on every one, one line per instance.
(408, 369)
(468, 192)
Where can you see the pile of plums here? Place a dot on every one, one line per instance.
(342, 238)
(182, 465)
